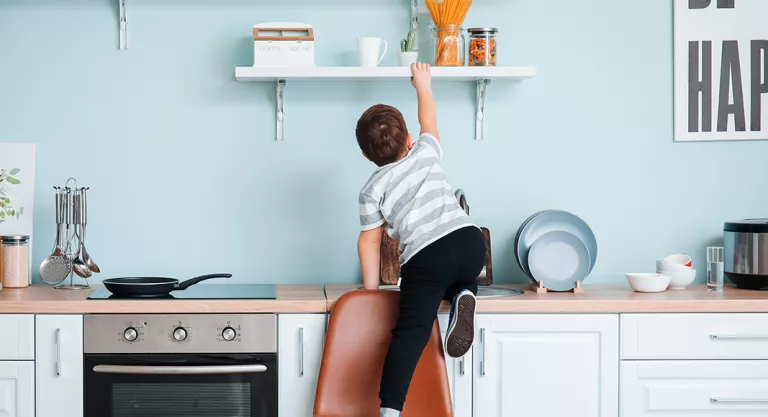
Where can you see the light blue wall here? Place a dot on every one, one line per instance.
(186, 178)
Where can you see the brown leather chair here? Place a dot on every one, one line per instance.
(357, 341)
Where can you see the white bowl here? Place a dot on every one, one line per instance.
(664, 267)
(679, 259)
(642, 282)
(680, 280)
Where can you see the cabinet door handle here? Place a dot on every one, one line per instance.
(461, 366)
(301, 351)
(714, 400)
(483, 359)
(58, 352)
(738, 336)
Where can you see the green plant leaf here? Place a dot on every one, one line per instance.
(13, 180)
(2, 214)
(21, 210)
(2, 204)
(18, 215)
(14, 171)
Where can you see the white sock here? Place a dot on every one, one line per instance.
(388, 412)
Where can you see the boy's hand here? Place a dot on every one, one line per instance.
(422, 77)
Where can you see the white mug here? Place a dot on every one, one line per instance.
(368, 51)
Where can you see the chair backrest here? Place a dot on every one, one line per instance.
(356, 344)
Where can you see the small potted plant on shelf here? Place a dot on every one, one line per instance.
(408, 54)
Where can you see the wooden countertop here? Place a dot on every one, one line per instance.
(43, 299)
(610, 299)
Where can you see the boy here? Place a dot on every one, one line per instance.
(443, 251)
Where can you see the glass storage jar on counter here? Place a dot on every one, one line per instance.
(14, 261)
(482, 47)
(448, 45)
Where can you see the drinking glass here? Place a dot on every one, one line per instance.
(715, 267)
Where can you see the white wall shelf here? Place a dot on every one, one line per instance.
(261, 74)
(482, 76)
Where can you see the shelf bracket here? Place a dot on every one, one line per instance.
(482, 84)
(123, 25)
(280, 111)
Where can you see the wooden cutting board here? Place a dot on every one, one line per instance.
(389, 272)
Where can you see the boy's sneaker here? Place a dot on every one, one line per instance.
(461, 325)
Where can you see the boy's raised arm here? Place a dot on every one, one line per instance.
(422, 81)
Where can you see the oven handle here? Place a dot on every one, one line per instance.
(179, 370)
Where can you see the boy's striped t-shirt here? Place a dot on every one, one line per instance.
(413, 198)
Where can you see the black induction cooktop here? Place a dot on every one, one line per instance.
(204, 292)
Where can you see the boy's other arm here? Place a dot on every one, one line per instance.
(422, 81)
(369, 249)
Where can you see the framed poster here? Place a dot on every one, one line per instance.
(17, 189)
(721, 70)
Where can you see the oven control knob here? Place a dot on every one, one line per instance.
(228, 334)
(179, 334)
(130, 334)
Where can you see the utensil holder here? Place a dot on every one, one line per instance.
(72, 212)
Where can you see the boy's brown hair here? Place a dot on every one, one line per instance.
(382, 134)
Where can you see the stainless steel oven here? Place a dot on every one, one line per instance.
(207, 365)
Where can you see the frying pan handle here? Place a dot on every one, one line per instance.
(188, 283)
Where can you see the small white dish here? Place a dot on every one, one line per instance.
(644, 282)
(680, 280)
(679, 259)
(664, 267)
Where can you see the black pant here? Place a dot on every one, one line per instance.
(438, 272)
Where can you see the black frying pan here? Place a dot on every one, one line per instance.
(152, 286)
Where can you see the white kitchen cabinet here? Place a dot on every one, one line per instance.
(17, 389)
(546, 365)
(300, 350)
(694, 336)
(59, 365)
(459, 376)
(694, 388)
(18, 337)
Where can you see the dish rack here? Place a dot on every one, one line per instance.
(540, 289)
(69, 256)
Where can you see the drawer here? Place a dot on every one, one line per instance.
(694, 388)
(17, 337)
(694, 336)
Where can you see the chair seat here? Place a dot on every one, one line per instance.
(356, 344)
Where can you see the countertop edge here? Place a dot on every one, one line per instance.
(163, 307)
(43, 299)
(608, 299)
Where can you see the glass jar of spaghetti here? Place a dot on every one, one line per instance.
(482, 47)
(448, 44)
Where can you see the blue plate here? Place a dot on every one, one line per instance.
(558, 259)
(550, 221)
(517, 237)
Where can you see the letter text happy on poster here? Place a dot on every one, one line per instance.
(721, 70)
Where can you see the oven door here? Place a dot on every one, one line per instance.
(237, 385)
